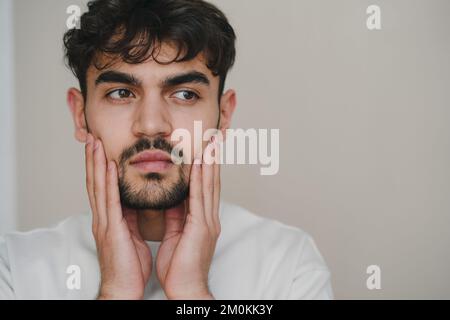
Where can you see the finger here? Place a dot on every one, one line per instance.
(131, 218)
(208, 186)
(99, 185)
(113, 206)
(174, 219)
(195, 192)
(216, 197)
(174, 223)
(90, 180)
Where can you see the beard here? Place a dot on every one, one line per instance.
(157, 191)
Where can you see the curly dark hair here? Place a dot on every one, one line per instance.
(134, 30)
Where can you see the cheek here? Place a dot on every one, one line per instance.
(196, 123)
(114, 136)
(112, 150)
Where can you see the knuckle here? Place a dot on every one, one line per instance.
(190, 218)
(195, 197)
(96, 190)
(212, 233)
(208, 188)
(113, 202)
(218, 230)
(107, 233)
(215, 232)
(94, 230)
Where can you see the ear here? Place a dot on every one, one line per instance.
(227, 107)
(75, 101)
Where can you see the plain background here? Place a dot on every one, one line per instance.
(363, 118)
(8, 181)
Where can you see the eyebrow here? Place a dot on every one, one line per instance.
(117, 77)
(172, 81)
(189, 77)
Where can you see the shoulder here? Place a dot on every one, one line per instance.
(72, 230)
(37, 260)
(240, 223)
(289, 262)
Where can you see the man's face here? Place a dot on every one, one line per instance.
(134, 108)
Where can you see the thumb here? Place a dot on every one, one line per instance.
(174, 221)
(174, 224)
(131, 217)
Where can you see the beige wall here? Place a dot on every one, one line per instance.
(363, 119)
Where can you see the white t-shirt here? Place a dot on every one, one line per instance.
(255, 258)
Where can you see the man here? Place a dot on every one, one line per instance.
(158, 228)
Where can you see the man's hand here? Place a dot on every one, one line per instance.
(191, 232)
(124, 257)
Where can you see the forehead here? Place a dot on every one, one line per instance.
(151, 71)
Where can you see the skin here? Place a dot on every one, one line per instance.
(108, 123)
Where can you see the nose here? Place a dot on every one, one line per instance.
(152, 118)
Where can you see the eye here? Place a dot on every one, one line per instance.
(186, 95)
(119, 94)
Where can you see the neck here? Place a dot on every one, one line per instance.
(151, 224)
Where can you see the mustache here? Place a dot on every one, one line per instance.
(144, 144)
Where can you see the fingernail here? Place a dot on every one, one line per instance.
(197, 161)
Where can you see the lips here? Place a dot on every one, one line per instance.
(151, 161)
(148, 156)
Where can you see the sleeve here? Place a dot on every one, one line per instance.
(6, 288)
(311, 278)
